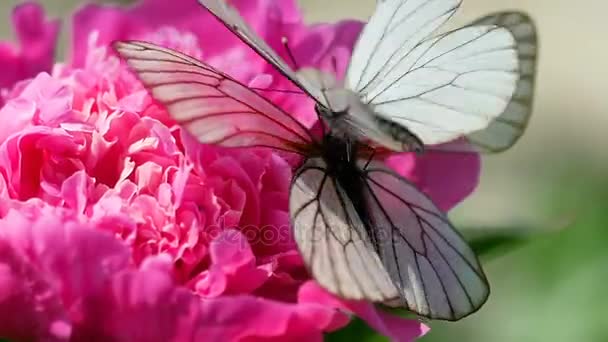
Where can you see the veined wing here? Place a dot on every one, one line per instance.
(235, 23)
(333, 240)
(209, 104)
(436, 272)
(395, 28)
(450, 85)
(508, 127)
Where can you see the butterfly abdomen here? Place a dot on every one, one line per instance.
(340, 155)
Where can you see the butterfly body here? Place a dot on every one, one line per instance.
(343, 159)
(340, 156)
(351, 118)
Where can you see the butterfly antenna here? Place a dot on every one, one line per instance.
(292, 59)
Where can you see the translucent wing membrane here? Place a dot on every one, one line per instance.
(474, 82)
(235, 23)
(209, 104)
(435, 271)
(396, 27)
(332, 238)
(450, 85)
(506, 129)
(400, 246)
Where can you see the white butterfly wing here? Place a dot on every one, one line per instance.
(508, 127)
(449, 86)
(435, 270)
(213, 107)
(401, 249)
(475, 82)
(332, 239)
(395, 28)
(235, 23)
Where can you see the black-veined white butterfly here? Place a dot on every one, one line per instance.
(364, 231)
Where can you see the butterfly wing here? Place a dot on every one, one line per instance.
(436, 272)
(450, 85)
(209, 104)
(508, 127)
(401, 249)
(235, 23)
(445, 86)
(332, 238)
(395, 28)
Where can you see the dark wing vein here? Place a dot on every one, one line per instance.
(203, 99)
(414, 208)
(393, 30)
(414, 66)
(405, 214)
(332, 238)
(351, 221)
(383, 71)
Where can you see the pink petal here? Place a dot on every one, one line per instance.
(43, 100)
(397, 329)
(149, 307)
(447, 178)
(187, 16)
(63, 262)
(93, 256)
(229, 168)
(75, 191)
(325, 44)
(29, 307)
(145, 305)
(15, 115)
(256, 319)
(233, 267)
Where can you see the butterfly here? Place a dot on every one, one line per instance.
(365, 232)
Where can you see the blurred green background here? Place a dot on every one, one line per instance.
(552, 184)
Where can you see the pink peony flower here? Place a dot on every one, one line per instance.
(63, 278)
(118, 225)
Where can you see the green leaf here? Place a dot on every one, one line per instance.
(489, 243)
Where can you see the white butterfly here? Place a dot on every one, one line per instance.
(364, 231)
